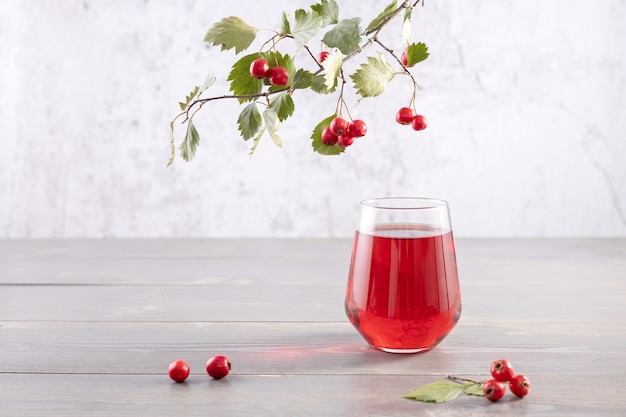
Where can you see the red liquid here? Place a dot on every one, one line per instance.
(403, 289)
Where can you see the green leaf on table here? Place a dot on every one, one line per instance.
(416, 53)
(382, 17)
(437, 392)
(188, 98)
(190, 143)
(272, 123)
(302, 79)
(283, 104)
(346, 35)
(249, 121)
(306, 26)
(319, 85)
(407, 30)
(285, 27)
(473, 388)
(231, 32)
(372, 77)
(328, 10)
(332, 67)
(241, 83)
(321, 147)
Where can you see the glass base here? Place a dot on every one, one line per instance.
(389, 350)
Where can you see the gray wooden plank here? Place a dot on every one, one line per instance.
(258, 348)
(293, 395)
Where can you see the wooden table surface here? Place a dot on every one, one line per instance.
(88, 328)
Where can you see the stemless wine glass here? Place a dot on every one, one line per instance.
(403, 292)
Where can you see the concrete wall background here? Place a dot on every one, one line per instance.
(526, 104)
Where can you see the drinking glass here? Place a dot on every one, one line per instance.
(403, 292)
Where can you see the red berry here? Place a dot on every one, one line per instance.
(404, 58)
(178, 370)
(345, 140)
(338, 126)
(404, 115)
(502, 370)
(259, 68)
(357, 128)
(419, 122)
(321, 57)
(328, 137)
(218, 367)
(493, 390)
(279, 76)
(519, 385)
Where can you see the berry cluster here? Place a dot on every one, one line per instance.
(406, 116)
(342, 132)
(260, 69)
(502, 371)
(217, 367)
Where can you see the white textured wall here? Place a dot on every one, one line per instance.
(526, 103)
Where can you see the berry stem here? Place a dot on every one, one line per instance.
(459, 379)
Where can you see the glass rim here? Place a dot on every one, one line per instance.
(410, 203)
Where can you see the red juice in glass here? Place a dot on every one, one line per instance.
(403, 291)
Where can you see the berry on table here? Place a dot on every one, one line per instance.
(345, 140)
(404, 115)
(218, 367)
(357, 128)
(279, 76)
(178, 370)
(502, 370)
(328, 137)
(493, 390)
(259, 68)
(519, 385)
(339, 126)
(321, 57)
(419, 122)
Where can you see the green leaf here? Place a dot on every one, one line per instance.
(188, 98)
(172, 144)
(241, 83)
(416, 53)
(272, 123)
(407, 30)
(249, 121)
(373, 76)
(328, 11)
(283, 104)
(256, 141)
(437, 392)
(302, 79)
(208, 82)
(231, 32)
(321, 147)
(332, 67)
(319, 85)
(384, 15)
(346, 35)
(473, 388)
(285, 26)
(190, 143)
(306, 27)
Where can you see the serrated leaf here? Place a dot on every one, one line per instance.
(407, 30)
(306, 26)
(437, 392)
(416, 53)
(272, 123)
(384, 15)
(319, 85)
(172, 144)
(241, 83)
(319, 146)
(190, 143)
(285, 24)
(208, 82)
(283, 104)
(231, 32)
(256, 141)
(372, 77)
(346, 35)
(302, 79)
(473, 388)
(332, 67)
(249, 121)
(328, 10)
(188, 98)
